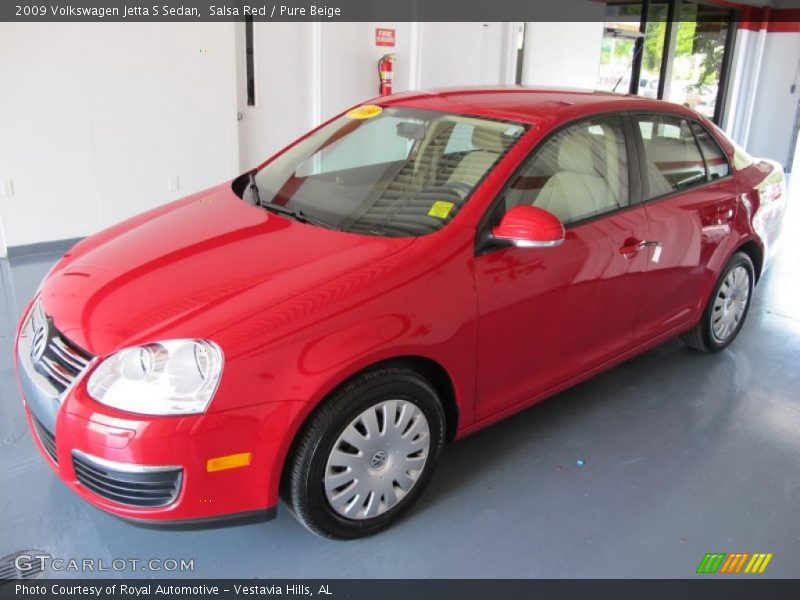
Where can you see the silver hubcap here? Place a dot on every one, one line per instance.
(377, 459)
(730, 304)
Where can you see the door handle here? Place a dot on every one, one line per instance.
(632, 245)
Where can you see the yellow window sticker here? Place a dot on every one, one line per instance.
(366, 111)
(440, 209)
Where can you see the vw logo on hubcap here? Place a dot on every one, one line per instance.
(378, 459)
(39, 342)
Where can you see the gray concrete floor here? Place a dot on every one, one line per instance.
(684, 454)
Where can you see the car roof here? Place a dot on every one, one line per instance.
(539, 105)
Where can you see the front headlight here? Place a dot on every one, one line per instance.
(175, 377)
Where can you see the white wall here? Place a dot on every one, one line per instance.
(95, 117)
(454, 54)
(350, 63)
(741, 84)
(3, 245)
(775, 106)
(428, 55)
(284, 56)
(564, 54)
(306, 73)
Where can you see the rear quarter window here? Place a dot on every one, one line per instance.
(716, 160)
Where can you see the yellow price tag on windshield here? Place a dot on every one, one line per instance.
(440, 209)
(367, 111)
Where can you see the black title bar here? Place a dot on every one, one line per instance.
(308, 10)
(709, 588)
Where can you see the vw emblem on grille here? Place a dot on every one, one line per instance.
(39, 341)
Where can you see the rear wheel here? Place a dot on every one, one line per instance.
(727, 308)
(366, 455)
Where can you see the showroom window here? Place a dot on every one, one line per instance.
(675, 50)
(580, 172)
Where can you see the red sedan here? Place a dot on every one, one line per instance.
(404, 275)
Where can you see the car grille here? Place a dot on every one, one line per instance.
(48, 439)
(129, 485)
(60, 361)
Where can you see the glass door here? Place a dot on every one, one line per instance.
(617, 56)
(653, 49)
(676, 50)
(699, 57)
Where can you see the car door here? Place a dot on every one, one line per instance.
(690, 199)
(548, 314)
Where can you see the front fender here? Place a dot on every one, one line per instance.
(419, 303)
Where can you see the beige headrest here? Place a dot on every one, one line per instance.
(576, 155)
(491, 140)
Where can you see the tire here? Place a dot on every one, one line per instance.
(709, 335)
(393, 462)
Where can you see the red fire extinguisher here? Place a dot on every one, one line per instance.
(385, 74)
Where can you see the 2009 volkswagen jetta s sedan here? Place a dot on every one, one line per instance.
(406, 274)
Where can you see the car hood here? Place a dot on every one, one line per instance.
(193, 267)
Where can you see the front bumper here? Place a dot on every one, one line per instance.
(114, 459)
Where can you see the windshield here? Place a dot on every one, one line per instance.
(385, 171)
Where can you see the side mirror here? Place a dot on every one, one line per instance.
(529, 227)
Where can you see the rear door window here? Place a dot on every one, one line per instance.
(672, 157)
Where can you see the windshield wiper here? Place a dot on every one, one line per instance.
(297, 215)
(254, 188)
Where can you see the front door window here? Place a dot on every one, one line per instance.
(579, 173)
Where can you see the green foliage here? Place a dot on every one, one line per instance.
(657, 30)
(713, 49)
(706, 40)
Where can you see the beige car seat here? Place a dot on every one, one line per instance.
(489, 144)
(578, 189)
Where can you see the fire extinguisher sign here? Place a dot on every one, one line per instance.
(384, 37)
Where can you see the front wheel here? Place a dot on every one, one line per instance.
(366, 455)
(727, 308)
